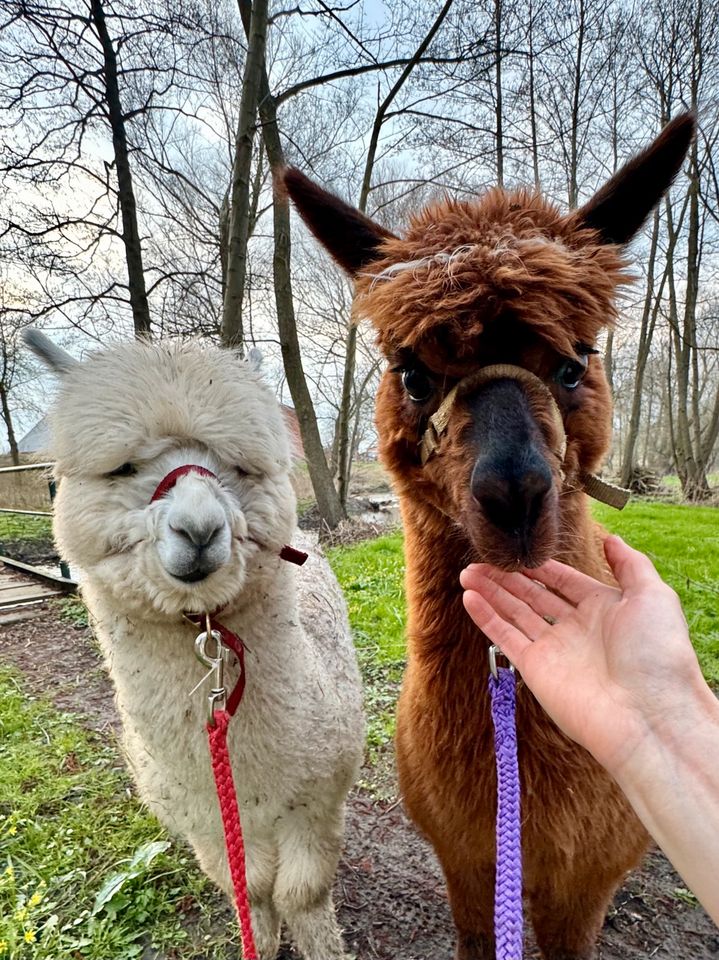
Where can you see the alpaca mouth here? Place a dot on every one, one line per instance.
(510, 557)
(514, 548)
(194, 577)
(196, 572)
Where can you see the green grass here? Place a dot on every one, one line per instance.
(72, 610)
(371, 575)
(69, 831)
(671, 480)
(683, 543)
(18, 527)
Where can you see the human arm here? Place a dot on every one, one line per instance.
(617, 673)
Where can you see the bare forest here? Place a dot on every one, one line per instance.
(138, 143)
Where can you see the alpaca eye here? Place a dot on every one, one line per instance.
(417, 384)
(570, 374)
(126, 470)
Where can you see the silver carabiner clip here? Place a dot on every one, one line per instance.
(495, 652)
(217, 696)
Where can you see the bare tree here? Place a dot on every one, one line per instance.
(343, 426)
(63, 66)
(327, 499)
(125, 193)
(7, 376)
(239, 218)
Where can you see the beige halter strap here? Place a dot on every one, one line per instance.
(591, 484)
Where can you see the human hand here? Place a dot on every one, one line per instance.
(616, 663)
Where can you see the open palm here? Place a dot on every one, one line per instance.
(605, 662)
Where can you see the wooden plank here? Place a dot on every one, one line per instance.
(28, 611)
(26, 601)
(63, 582)
(23, 587)
(20, 590)
(41, 589)
(25, 593)
(27, 466)
(7, 576)
(10, 580)
(8, 586)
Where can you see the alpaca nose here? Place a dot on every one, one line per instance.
(199, 532)
(511, 492)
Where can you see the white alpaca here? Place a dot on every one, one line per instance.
(123, 420)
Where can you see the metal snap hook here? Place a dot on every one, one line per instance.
(216, 663)
(493, 653)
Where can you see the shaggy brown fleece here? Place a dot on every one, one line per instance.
(514, 256)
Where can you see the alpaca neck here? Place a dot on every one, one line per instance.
(435, 553)
(247, 616)
(152, 661)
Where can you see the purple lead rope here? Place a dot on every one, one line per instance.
(508, 918)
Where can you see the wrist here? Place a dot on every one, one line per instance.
(674, 736)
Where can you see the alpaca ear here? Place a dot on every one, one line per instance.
(57, 359)
(622, 205)
(289, 415)
(351, 237)
(255, 358)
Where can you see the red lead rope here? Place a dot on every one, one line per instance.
(222, 769)
(225, 784)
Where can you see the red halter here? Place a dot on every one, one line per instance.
(169, 481)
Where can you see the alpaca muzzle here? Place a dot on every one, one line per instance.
(591, 484)
(289, 553)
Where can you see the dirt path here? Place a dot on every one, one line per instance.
(389, 889)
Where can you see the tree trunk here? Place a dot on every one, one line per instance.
(328, 502)
(647, 424)
(344, 453)
(498, 118)
(126, 194)
(697, 487)
(711, 434)
(683, 451)
(646, 332)
(239, 228)
(532, 102)
(609, 361)
(574, 134)
(224, 231)
(7, 417)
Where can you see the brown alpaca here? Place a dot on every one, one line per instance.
(505, 279)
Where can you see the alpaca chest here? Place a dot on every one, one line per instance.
(446, 763)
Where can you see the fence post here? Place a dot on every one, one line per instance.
(64, 569)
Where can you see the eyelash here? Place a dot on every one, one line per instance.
(124, 470)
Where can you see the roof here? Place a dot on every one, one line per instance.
(36, 440)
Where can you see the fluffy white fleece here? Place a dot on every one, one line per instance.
(297, 739)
